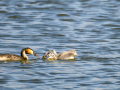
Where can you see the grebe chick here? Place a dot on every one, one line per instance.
(23, 56)
(66, 55)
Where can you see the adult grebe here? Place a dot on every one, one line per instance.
(23, 56)
(66, 55)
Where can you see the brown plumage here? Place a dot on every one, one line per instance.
(66, 55)
(23, 56)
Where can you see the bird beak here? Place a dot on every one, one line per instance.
(36, 55)
(46, 55)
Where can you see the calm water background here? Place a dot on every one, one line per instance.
(92, 27)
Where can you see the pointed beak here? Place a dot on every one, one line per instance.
(36, 55)
(46, 55)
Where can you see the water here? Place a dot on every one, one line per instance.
(89, 26)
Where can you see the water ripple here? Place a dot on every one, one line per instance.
(89, 26)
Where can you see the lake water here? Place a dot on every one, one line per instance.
(92, 27)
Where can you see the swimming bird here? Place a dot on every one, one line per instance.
(23, 56)
(66, 55)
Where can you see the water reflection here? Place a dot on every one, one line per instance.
(21, 61)
(60, 62)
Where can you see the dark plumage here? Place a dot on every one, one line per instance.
(23, 56)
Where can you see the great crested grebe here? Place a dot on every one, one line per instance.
(23, 56)
(66, 55)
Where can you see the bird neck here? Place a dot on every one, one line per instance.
(23, 54)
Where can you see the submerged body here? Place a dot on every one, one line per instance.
(8, 56)
(66, 55)
(23, 56)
